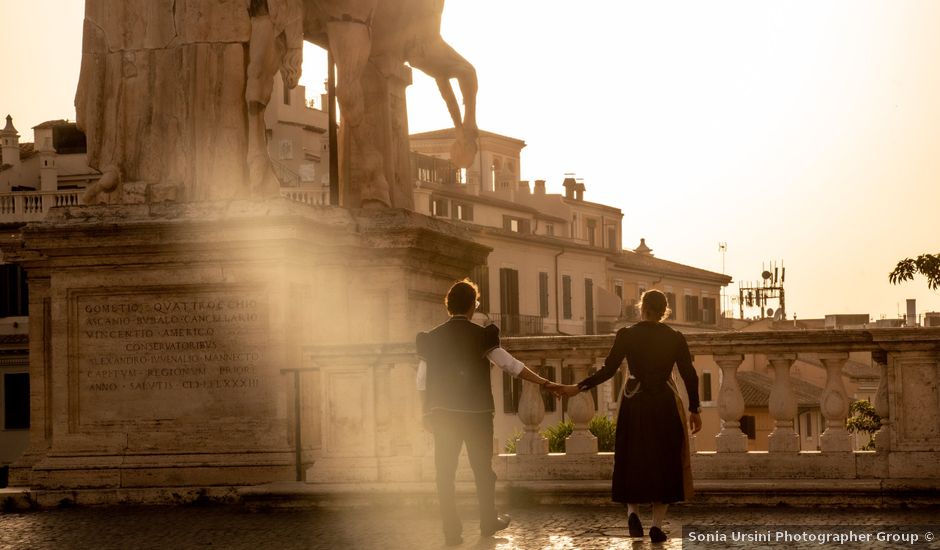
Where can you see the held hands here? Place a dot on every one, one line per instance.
(562, 390)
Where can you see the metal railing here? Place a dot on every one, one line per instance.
(517, 325)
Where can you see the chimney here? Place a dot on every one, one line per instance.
(579, 191)
(524, 187)
(911, 312)
(10, 142)
(539, 187)
(643, 250)
(569, 184)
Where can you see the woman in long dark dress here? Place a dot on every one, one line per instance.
(651, 454)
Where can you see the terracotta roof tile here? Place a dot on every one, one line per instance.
(756, 388)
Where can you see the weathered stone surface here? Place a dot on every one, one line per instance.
(161, 95)
(171, 337)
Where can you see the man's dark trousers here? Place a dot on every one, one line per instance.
(451, 431)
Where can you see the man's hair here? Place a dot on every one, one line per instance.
(461, 297)
(655, 302)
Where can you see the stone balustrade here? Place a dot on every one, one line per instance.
(28, 206)
(908, 400)
(313, 196)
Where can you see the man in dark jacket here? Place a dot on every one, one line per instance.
(454, 380)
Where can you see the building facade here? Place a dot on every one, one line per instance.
(558, 264)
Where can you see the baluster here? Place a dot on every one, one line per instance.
(782, 406)
(834, 404)
(882, 402)
(730, 406)
(531, 413)
(581, 411)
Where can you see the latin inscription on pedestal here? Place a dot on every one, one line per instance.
(170, 353)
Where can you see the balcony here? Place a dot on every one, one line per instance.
(517, 325)
(904, 467)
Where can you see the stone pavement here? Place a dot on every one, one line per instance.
(392, 528)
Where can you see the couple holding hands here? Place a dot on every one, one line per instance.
(651, 454)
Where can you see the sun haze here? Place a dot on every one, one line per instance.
(802, 132)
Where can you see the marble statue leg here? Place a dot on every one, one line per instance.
(262, 67)
(350, 43)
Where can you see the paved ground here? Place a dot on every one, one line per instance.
(561, 528)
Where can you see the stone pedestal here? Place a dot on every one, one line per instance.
(164, 338)
(581, 410)
(782, 406)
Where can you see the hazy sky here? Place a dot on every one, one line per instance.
(807, 132)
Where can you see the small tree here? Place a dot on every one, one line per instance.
(927, 265)
(556, 435)
(512, 442)
(605, 430)
(601, 427)
(863, 418)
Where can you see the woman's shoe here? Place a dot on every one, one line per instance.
(634, 525)
(657, 535)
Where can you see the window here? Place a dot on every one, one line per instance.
(543, 294)
(286, 150)
(550, 230)
(706, 386)
(618, 290)
(809, 425)
(566, 296)
(548, 372)
(748, 426)
(509, 301)
(691, 309)
(612, 238)
(592, 231)
(14, 292)
(588, 306)
(481, 276)
(463, 212)
(16, 401)
(516, 225)
(439, 208)
(671, 299)
(709, 310)
(512, 389)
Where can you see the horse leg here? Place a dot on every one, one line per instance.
(440, 61)
(351, 44)
(262, 66)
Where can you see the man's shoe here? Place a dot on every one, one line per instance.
(634, 525)
(657, 535)
(502, 522)
(454, 540)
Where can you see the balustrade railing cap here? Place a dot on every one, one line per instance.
(731, 343)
